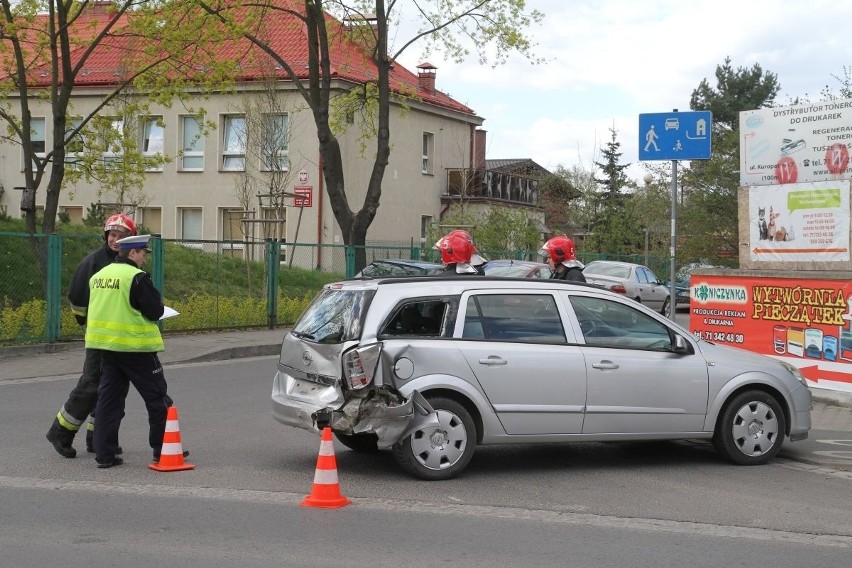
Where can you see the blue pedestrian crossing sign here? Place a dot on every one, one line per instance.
(675, 135)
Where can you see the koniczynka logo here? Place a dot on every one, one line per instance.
(704, 293)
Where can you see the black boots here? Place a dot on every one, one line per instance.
(90, 446)
(61, 438)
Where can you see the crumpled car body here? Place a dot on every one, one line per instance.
(308, 393)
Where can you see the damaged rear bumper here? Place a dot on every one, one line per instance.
(381, 411)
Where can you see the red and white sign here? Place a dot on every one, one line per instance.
(304, 196)
(837, 159)
(796, 144)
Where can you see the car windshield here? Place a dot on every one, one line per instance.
(509, 270)
(334, 316)
(615, 270)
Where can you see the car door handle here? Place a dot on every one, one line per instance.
(605, 365)
(492, 361)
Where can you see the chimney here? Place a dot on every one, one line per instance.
(426, 76)
(363, 29)
(479, 149)
(101, 7)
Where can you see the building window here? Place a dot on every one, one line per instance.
(428, 152)
(192, 145)
(275, 142)
(425, 224)
(275, 223)
(112, 136)
(153, 140)
(37, 136)
(234, 143)
(151, 218)
(37, 139)
(74, 144)
(190, 223)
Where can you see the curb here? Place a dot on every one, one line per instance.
(233, 353)
(12, 351)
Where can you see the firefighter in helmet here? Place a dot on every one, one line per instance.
(84, 396)
(459, 255)
(561, 257)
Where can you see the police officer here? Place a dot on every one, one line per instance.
(124, 307)
(84, 396)
(459, 255)
(562, 259)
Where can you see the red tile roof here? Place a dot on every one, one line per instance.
(286, 35)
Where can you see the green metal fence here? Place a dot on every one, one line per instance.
(213, 284)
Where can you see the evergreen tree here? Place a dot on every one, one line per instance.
(708, 220)
(613, 229)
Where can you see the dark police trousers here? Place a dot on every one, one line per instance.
(145, 373)
(84, 396)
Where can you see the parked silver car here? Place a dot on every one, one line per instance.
(632, 280)
(432, 367)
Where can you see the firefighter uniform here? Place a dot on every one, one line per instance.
(123, 310)
(84, 396)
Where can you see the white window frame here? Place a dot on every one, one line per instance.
(428, 153)
(182, 213)
(153, 140)
(233, 143)
(192, 144)
(72, 156)
(38, 133)
(275, 141)
(114, 153)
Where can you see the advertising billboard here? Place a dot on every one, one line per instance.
(805, 221)
(796, 144)
(806, 322)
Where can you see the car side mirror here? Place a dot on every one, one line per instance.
(680, 345)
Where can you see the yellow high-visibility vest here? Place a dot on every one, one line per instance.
(113, 324)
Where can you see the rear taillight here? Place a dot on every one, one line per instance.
(618, 289)
(359, 365)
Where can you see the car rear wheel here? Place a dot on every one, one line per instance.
(442, 451)
(364, 443)
(665, 309)
(751, 429)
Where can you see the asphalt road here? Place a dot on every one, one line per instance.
(637, 504)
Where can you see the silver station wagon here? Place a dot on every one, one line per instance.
(432, 367)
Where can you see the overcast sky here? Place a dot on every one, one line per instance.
(609, 61)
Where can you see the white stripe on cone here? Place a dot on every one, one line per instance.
(326, 448)
(172, 426)
(172, 449)
(325, 477)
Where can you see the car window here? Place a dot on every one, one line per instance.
(605, 323)
(606, 269)
(422, 318)
(334, 316)
(522, 318)
(378, 269)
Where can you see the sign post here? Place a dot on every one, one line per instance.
(674, 136)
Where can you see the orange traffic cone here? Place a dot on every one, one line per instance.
(171, 456)
(326, 490)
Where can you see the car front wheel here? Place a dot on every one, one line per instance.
(442, 451)
(751, 429)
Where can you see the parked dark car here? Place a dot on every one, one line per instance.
(517, 269)
(683, 279)
(391, 268)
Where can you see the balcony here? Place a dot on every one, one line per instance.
(491, 185)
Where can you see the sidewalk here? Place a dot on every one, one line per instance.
(47, 360)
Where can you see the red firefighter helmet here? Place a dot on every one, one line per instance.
(456, 247)
(559, 249)
(120, 222)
